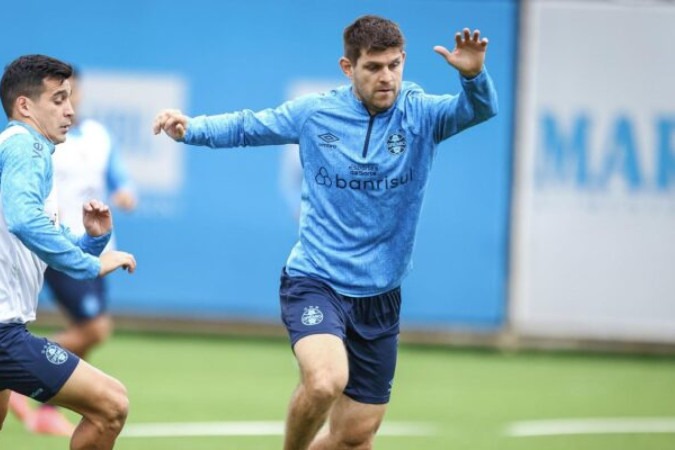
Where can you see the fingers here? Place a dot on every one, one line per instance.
(468, 56)
(160, 121)
(113, 260)
(129, 263)
(173, 124)
(458, 39)
(172, 121)
(464, 36)
(444, 52)
(179, 129)
(476, 38)
(467, 37)
(161, 118)
(95, 206)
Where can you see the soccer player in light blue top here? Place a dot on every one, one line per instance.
(366, 151)
(35, 94)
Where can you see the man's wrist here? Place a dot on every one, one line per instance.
(99, 236)
(470, 75)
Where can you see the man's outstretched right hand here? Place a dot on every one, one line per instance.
(173, 122)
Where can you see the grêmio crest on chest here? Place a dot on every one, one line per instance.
(395, 143)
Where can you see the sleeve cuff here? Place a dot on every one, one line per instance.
(94, 245)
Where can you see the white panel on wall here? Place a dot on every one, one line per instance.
(127, 104)
(594, 195)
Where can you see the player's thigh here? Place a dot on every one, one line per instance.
(90, 391)
(355, 422)
(372, 365)
(322, 357)
(4, 405)
(372, 345)
(31, 365)
(315, 320)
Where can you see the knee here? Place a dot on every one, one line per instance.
(324, 385)
(120, 404)
(357, 438)
(116, 408)
(357, 433)
(99, 331)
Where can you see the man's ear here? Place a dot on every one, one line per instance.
(346, 66)
(22, 106)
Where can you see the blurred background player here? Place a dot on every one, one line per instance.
(86, 166)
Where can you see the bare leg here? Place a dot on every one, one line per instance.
(101, 400)
(324, 372)
(352, 425)
(4, 405)
(80, 338)
(19, 406)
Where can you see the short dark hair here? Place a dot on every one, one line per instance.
(371, 34)
(25, 76)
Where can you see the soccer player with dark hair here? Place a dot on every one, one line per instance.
(366, 150)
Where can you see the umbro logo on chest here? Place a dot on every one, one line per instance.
(328, 140)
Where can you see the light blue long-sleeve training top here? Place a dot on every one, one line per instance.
(30, 234)
(364, 176)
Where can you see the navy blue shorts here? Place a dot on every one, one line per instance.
(82, 300)
(369, 327)
(31, 365)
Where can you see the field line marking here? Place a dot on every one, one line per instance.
(256, 428)
(592, 426)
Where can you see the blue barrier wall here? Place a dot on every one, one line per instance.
(214, 246)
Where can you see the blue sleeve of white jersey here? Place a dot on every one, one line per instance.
(116, 176)
(22, 179)
(476, 103)
(94, 245)
(276, 126)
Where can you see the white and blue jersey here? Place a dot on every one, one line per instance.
(364, 176)
(31, 236)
